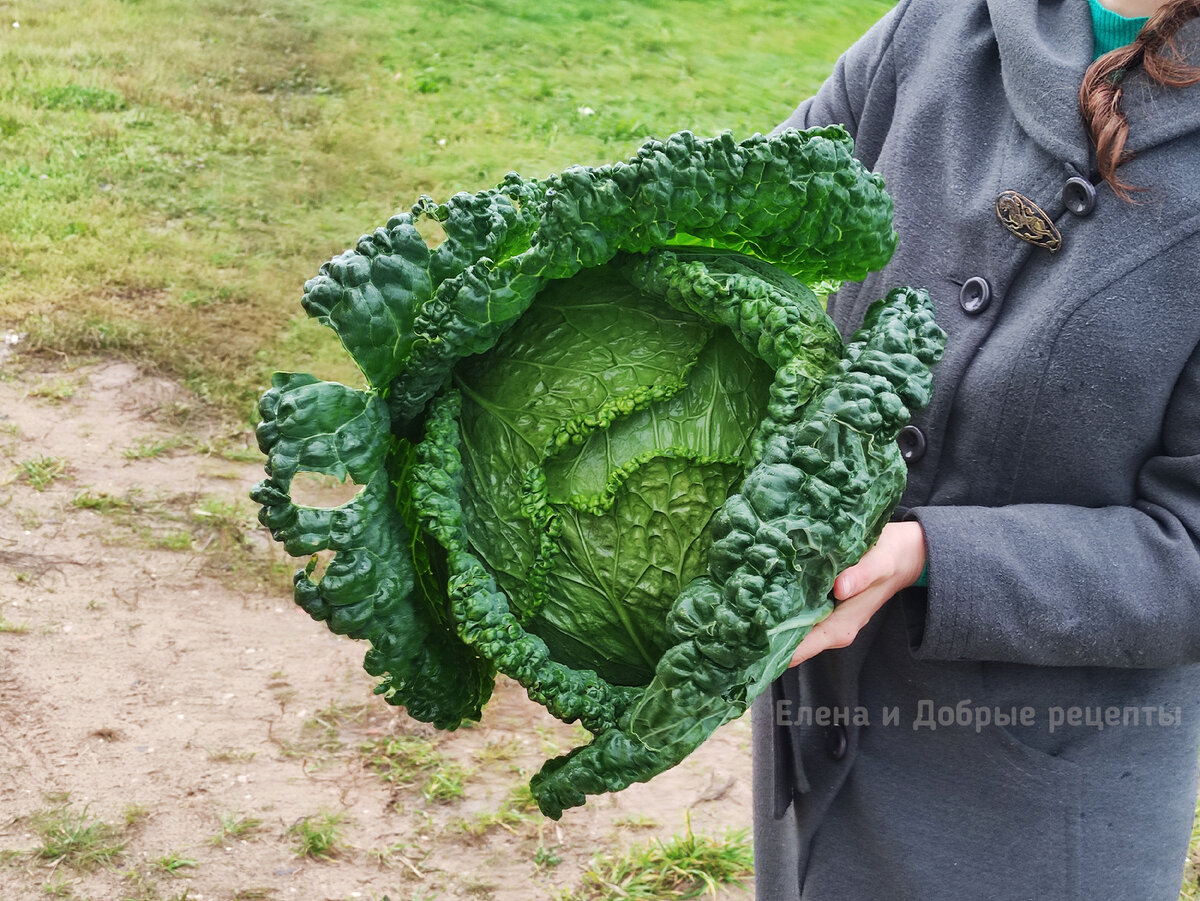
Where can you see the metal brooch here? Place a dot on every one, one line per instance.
(1027, 220)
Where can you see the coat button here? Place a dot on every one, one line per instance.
(912, 443)
(975, 295)
(835, 742)
(1079, 196)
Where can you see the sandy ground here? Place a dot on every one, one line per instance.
(156, 681)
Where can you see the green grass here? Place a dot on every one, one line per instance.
(172, 863)
(1191, 872)
(73, 838)
(102, 502)
(10, 628)
(518, 809)
(56, 390)
(408, 761)
(319, 836)
(682, 867)
(236, 826)
(41, 471)
(167, 197)
(151, 448)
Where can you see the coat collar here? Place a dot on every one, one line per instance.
(1157, 114)
(1045, 47)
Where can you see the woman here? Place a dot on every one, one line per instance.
(1025, 724)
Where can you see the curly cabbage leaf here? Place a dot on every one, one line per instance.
(611, 446)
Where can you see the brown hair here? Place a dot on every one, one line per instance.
(1156, 52)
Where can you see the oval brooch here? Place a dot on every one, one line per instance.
(1027, 220)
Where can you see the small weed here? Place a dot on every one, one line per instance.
(445, 784)
(234, 826)
(318, 836)
(500, 749)
(72, 838)
(102, 502)
(389, 857)
(58, 887)
(171, 863)
(682, 867)
(545, 858)
(402, 760)
(149, 448)
(7, 628)
(141, 886)
(231, 755)
(41, 472)
(320, 733)
(235, 453)
(516, 810)
(56, 391)
(134, 814)
(174, 540)
(256, 893)
(227, 520)
(641, 821)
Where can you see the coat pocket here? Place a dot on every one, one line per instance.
(950, 812)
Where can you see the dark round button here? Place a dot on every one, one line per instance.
(1079, 196)
(912, 443)
(835, 742)
(975, 295)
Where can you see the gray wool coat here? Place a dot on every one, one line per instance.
(1026, 729)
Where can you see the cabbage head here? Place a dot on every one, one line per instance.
(610, 445)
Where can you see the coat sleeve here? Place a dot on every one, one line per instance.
(1061, 585)
(861, 87)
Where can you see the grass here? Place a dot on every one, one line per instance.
(7, 628)
(152, 448)
(172, 863)
(186, 521)
(231, 755)
(55, 391)
(166, 198)
(73, 838)
(134, 815)
(235, 826)
(682, 867)
(1191, 872)
(407, 761)
(102, 502)
(319, 836)
(518, 809)
(41, 471)
(499, 750)
(402, 760)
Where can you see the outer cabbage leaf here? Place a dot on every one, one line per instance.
(371, 588)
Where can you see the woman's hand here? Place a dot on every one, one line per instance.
(895, 562)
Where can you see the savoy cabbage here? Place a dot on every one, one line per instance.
(611, 444)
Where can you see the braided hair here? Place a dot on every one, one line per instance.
(1156, 51)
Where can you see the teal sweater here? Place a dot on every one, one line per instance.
(1112, 30)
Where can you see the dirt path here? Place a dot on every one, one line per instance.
(159, 688)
